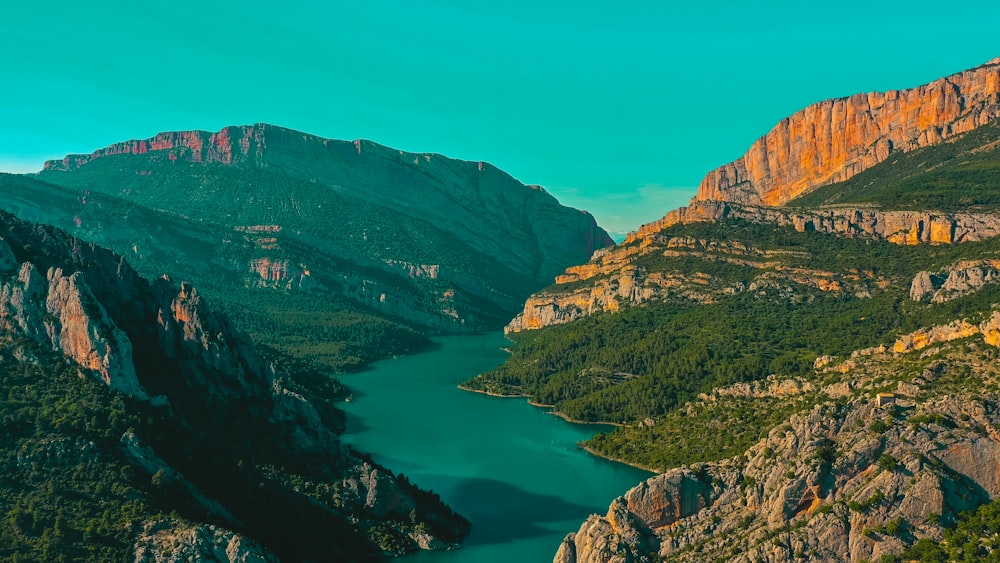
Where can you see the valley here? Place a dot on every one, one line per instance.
(305, 363)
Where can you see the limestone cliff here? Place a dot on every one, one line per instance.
(847, 480)
(835, 139)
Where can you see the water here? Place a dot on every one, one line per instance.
(512, 469)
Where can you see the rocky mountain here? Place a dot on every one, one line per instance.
(357, 248)
(121, 386)
(741, 343)
(836, 139)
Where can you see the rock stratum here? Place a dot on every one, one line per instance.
(833, 140)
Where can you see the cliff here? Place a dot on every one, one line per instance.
(835, 139)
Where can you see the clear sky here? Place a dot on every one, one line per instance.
(616, 107)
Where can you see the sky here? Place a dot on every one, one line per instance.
(617, 108)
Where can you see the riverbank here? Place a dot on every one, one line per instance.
(595, 453)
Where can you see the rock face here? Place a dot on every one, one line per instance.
(958, 280)
(848, 481)
(60, 312)
(231, 145)
(612, 280)
(174, 541)
(833, 140)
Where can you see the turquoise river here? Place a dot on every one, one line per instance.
(512, 469)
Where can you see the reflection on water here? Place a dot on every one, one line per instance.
(512, 469)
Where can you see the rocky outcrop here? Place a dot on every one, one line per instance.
(175, 541)
(612, 279)
(61, 313)
(899, 227)
(954, 282)
(833, 140)
(217, 357)
(955, 330)
(822, 487)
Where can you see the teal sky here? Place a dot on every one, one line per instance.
(618, 108)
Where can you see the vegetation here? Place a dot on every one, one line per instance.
(705, 431)
(645, 362)
(66, 492)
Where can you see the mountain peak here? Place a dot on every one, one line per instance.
(835, 139)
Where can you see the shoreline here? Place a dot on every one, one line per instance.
(569, 419)
(490, 393)
(553, 412)
(590, 451)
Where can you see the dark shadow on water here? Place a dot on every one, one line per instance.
(501, 512)
(354, 424)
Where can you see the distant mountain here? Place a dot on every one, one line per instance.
(741, 343)
(141, 425)
(356, 242)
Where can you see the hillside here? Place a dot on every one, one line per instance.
(139, 424)
(345, 251)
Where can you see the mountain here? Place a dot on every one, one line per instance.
(836, 139)
(740, 343)
(121, 388)
(341, 251)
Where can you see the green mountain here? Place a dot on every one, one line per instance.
(338, 251)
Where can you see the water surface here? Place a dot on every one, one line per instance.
(510, 468)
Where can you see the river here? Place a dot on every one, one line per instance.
(512, 469)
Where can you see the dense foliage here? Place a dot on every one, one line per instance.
(66, 493)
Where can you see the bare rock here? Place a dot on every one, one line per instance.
(834, 140)
(175, 541)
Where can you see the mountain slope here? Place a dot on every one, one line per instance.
(117, 386)
(319, 248)
(740, 342)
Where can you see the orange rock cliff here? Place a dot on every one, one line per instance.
(833, 140)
